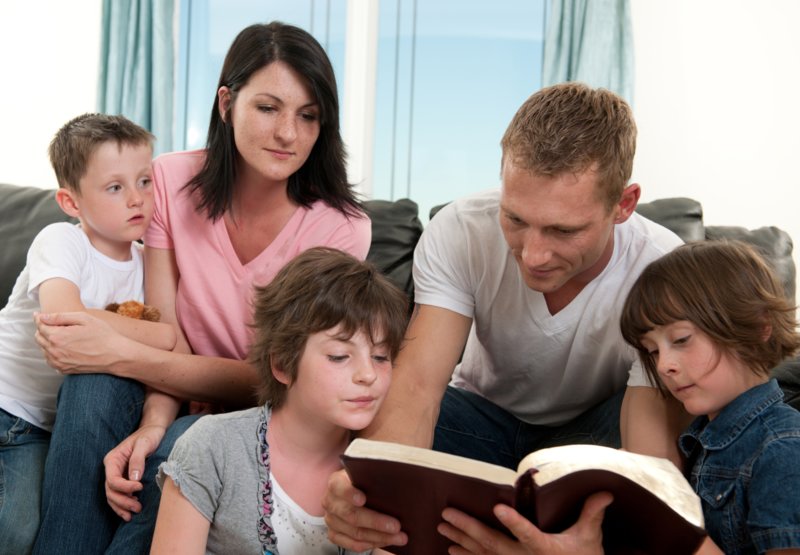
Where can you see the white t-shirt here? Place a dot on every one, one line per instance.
(28, 386)
(545, 369)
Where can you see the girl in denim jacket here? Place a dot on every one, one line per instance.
(709, 321)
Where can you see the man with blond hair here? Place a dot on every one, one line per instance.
(528, 281)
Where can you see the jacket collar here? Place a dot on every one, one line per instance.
(732, 420)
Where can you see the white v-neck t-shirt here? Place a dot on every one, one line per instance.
(545, 369)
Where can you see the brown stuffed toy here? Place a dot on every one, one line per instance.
(135, 309)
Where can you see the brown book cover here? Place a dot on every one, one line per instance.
(654, 510)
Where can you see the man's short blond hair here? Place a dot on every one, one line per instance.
(571, 128)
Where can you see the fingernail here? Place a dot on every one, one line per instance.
(391, 527)
(135, 475)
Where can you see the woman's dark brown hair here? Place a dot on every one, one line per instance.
(324, 175)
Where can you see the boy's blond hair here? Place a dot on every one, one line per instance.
(78, 139)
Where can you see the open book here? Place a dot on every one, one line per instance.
(654, 510)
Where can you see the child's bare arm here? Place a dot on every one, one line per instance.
(180, 528)
(61, 295)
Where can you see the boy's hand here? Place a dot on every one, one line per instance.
(129, 456)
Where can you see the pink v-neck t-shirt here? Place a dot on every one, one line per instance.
(215, 289)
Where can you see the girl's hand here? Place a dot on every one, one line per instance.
(77, 342)
(585, 537)
(353, 526)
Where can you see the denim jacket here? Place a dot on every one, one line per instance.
(745, 466)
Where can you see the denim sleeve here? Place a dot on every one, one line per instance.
(194, 466)
(774, 513)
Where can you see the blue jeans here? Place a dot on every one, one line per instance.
(95, 413)
(23, 448)
(472, 426)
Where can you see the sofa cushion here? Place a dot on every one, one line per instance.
(396, 228)
(24, 211)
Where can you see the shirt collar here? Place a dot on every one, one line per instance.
(732, 420)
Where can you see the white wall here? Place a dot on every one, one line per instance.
(716, 102)
(717, 108)
(49, 52)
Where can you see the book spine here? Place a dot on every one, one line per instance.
(524, 499)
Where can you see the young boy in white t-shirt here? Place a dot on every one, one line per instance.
(103, 167)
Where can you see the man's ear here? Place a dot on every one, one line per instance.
(224, 103)
(68, 202)
(627, 202)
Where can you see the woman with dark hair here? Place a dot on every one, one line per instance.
(270, 184)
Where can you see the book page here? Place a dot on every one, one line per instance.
(382, 450)
(654, 474)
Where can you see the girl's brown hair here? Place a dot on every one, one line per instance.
(727, 290)
(318, 290)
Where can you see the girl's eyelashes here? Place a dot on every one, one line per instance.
(682, 340)
(337, 358)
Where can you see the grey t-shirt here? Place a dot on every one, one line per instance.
(215, 465)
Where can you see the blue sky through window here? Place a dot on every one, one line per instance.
(474, 63)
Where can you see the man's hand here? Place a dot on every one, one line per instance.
(585, 537)
(125, 467)
(353, 526)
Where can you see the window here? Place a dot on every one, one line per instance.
(450, 75)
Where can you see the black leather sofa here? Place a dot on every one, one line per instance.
(396, 227)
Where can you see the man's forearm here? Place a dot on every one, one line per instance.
(650, 423)
(407, 416)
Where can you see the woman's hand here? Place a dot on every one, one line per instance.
(125, 467)
(585, 537)
(78, 343)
